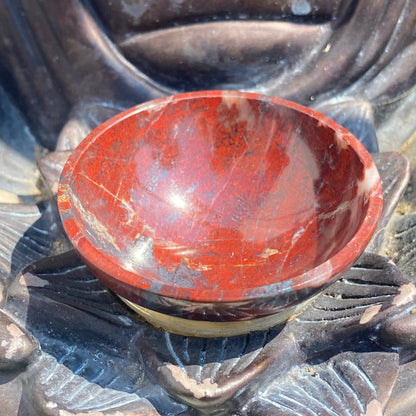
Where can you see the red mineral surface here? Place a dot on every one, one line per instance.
(220, 198)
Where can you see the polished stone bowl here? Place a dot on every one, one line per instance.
(219, 206)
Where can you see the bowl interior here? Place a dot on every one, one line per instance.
(218, 193)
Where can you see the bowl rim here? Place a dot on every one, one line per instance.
(316, 277)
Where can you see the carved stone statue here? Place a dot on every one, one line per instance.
(68, 346)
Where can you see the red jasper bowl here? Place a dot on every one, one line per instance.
(219, 205)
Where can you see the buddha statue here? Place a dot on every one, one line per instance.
(68, 346)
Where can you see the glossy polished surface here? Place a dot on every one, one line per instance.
(219, 205)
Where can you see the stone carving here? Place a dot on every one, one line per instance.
(67, 345)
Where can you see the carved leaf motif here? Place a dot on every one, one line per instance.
(372, 283)
(56, 391)
(205, 371)
(78, 321)
(65, 279)
(28, 233)
(349, 384)
(84, 327)
(402, 245)
(402, 401)
(198, 370)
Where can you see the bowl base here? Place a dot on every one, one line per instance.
(210, 329)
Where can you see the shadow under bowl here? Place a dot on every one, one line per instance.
(219, 206)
